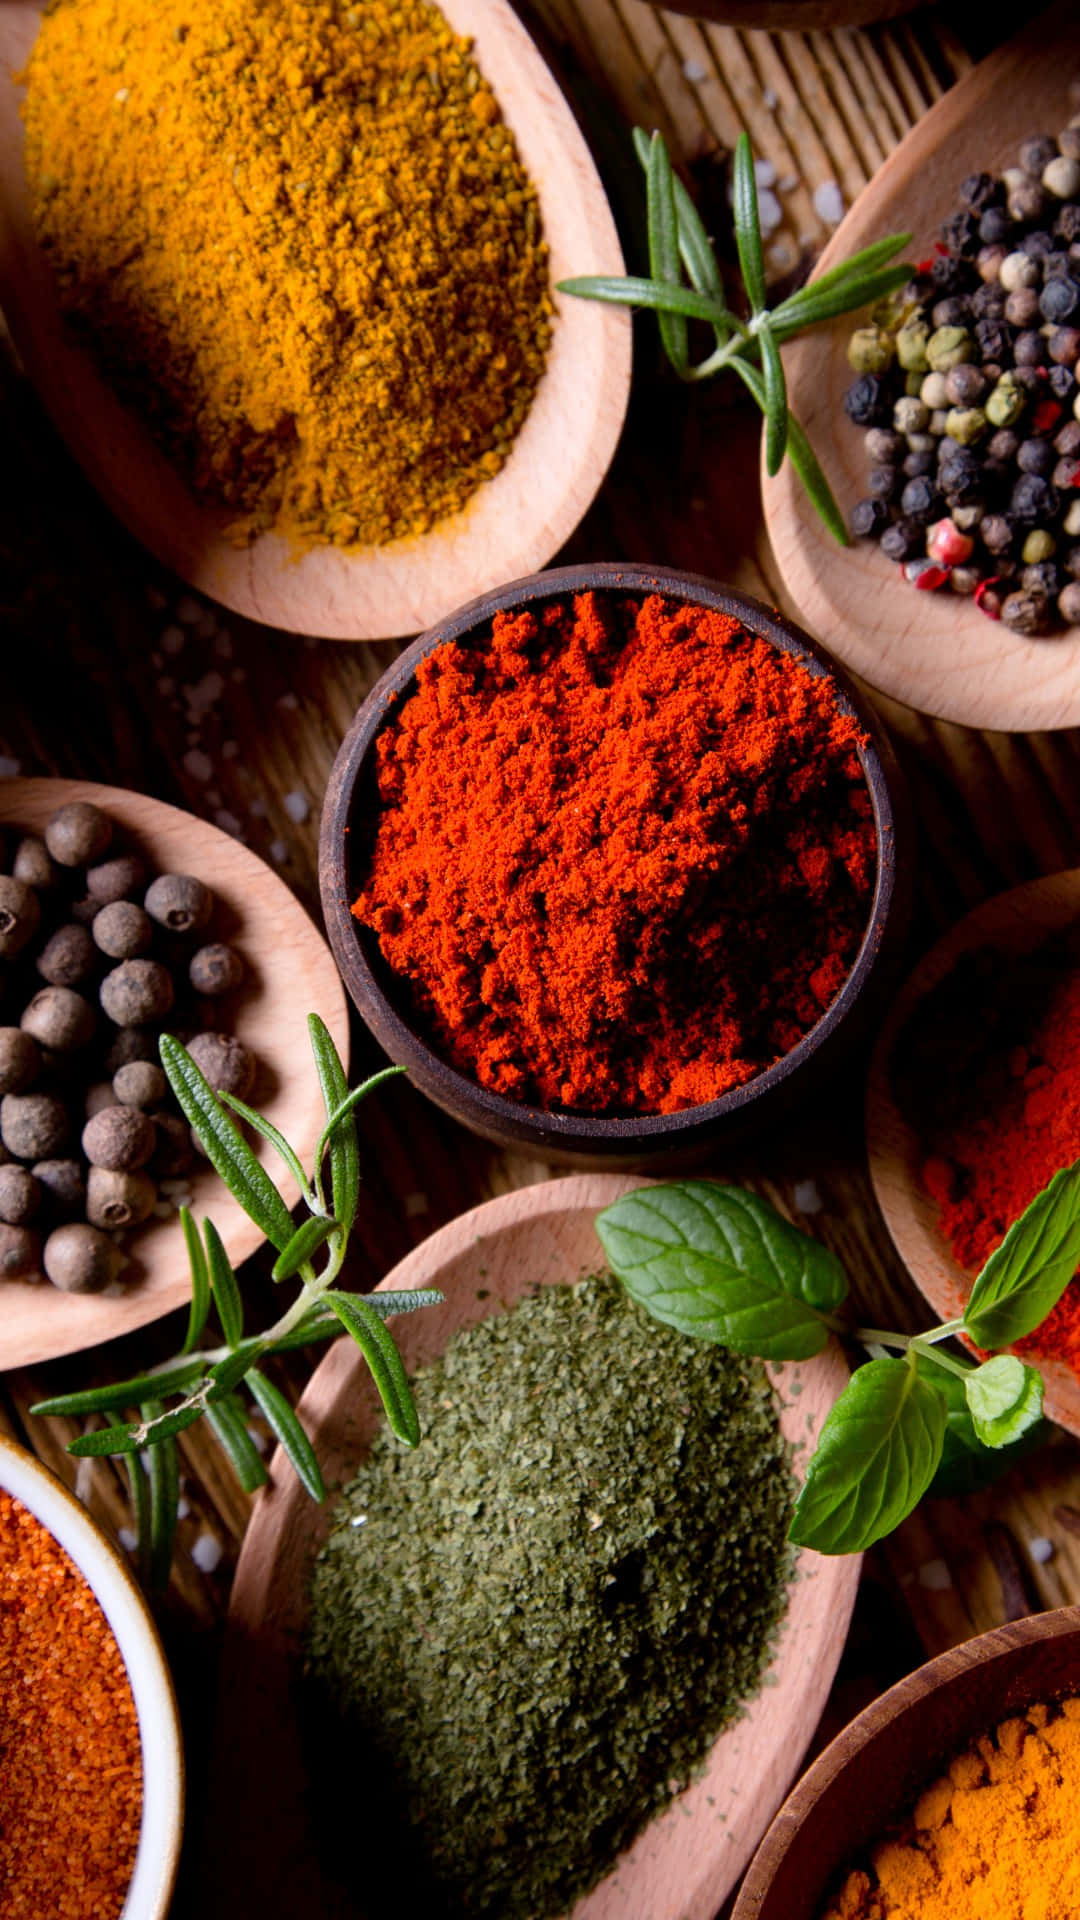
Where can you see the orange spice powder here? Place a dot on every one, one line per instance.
(70, 1764)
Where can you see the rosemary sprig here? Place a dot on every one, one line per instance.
(210, 1380)
(679, 246)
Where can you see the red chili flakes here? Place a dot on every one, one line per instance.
(70, 1764)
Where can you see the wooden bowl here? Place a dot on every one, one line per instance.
(129, 1617)
(513, 522)
(264, 1859)
(1017, 922)
(653, 1140)
(289, 973)
(877, 1766)
(933, 651)
(801, 16)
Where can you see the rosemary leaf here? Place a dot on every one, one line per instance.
(384, 1360)
(790, 318)
(200, 1283)
(223, 1283)
(129, 1438)
(805, 462)
(776, 406)
(636, 292)
(140, 1507)
(747, 225)
(344, 1147)
(126, 1393)
(307, 1240)
(225, 1375)
(287, 1430)
(345, 1107)
(664, 257)
(164, 1500)
(696, 248)
(227, 1421)
(277, 1140)
(226, 1149)
(857, 266)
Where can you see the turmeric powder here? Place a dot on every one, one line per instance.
(994, 1839)
(302, 242)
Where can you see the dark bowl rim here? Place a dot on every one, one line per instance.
(402, 1042)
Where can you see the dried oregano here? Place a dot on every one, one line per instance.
(531, 1630)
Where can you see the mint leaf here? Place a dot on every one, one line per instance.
(719, 1263)
(1004, 1398)
(1025, 1277)
(966, 1464)
(876, 1456)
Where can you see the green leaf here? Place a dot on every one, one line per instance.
(336, 1120)
(129, 1438)
(287, 1430)
(319, 1323)
(664, 259)
(966, 1465)
(747, 225)
(719, 1263)
(405, 1300)
(223, 1283)
(1004, 1398)
(226, 1149)
(815, 303)
(227, 1374)
(276, 1138)
(776, 407)
(1025, 1276)
(857, 266)
(630, 291)
(227, 1421)
(876, 1456)
(164, 1500)
(307, 1240)
(140, 1507)
(804, 460)
(200, 1284)
(344, 1147)
(698, 256)
(124, 1393)
(384, 1360)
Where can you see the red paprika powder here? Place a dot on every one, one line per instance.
(624, 853)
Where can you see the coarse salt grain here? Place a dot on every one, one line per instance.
(9, 767)
(257, 809)
(288, 702)
(807, 1197)
(829, 203)
(416, 1204)
(935, 1576)
(770, 212)
(694, 71)
(128, 1538)
(228, 822)
(279, 852)
(764, 173)
(769, 99)
(198, 764)
(1041, 1549)
(297, 806)
(189, 611)
(207, 1553)
(172, 640)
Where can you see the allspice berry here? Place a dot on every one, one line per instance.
(123, 930)
(63, 1188)
(20, 914)
(137, 992)
(81, 1259)
(20, 1253)
(78, 834)
(33, 1125)
(20, 1196)
(140, 1084)
(173, 1154)
(216, 969)
(120, 1138)
(33, 864)
(118, 879)
(20, 1060)
(60, 1019)
(226, 1063)
(68, 957)
(115, 1201)
(99, 1096)
(130, 1043)
(179, 902)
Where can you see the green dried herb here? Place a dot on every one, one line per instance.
(535, 1627)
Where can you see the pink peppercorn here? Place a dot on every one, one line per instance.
(988, 599)
(947, 545)
(926, 575)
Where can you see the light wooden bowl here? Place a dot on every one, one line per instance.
(658, 1141)
(264, 1858)
(877, 1766)
(289, 973)
(933, 651)
(129, 1617)
(1017, 921)
(514, 522)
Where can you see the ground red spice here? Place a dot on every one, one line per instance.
(70, 1765)
(624, 854)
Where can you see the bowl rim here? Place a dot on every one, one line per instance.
(403, 1043)
(847, 1746)
(132, 1626)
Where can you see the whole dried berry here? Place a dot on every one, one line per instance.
(1062, 383)
(1026, 613)
(1069, 603)
(20, 1060)
(137, 992)
(99, 1096)
(33, 1125)
(216, 969)
(883, 447)
(173, 1154)
(867, 518)
(120, 1138)
(960, 231)
(20, 914)
(78, 834)
(882, 482)
(952, 312)
(82, 1259)
(1039, 544)
(130, 1043)
(1067, 224)
(62, 1186)
(867, 402)
(1061, 177)
(993, 339)
(140, 1084)
(916, 464)
(68, 957)
(123, 930)
(225, 1062)
(1033, 500)
(20, 1196)
(1037, 153)
(179, 902)
(1022, 308)
(965, 385)
(950, 274)
(920, 500)
(1004, 444)
(1042, 576)
(32, 864)
(902, 539)
(60, 1019)
(1029, 350)
(948, 346)
(995, 227)
(20, 1253)
(1036, 456)
(118, 879)
(116, 1201)
(1027, 203)
(980, 191)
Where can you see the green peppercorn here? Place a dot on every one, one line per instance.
(913, 383)
(965, 425)
(1007, 402)
(1039, 545)
(948, 347)
(911, 346)
(870, 350)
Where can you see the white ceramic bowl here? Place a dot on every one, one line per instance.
(127, 1614)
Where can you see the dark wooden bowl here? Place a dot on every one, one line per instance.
(644, 1141)
(801, 15)
(875, 1769)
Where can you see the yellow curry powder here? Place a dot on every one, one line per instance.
(996, 1838)
(304, 245)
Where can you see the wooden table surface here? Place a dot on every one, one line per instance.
(111, 671)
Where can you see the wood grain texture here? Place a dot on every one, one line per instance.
(935, 652)
(512, 524)
(687, 1860)
(288, 969)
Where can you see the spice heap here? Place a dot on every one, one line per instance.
(70, 1767)
(95, 957)
(624, 855)
(993, 1839)
(535, 1626)
(303, 244)
(967, 390)
(987, 1072)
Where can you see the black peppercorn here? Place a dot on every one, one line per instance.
(1029, 349)
(994, 339)
(1059, 301)
(916, 464)
(1067, 224)
(1004, 444)
(953, 312)
(1035, 456)
(1037, 244)
(1044, 577)
(1055, 266)
(1026, 613)
(980, 190)
(902, 540)
(867, 401)
(921, 500)
(996, 533)
(882, 483)
(1062, 383)
(868, 517)
(1063, 346)
(988, 301)
(1022, 308)
(995, 227)
(1033, 500)
(960, 233)
(1036, 154)
(951, 275)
